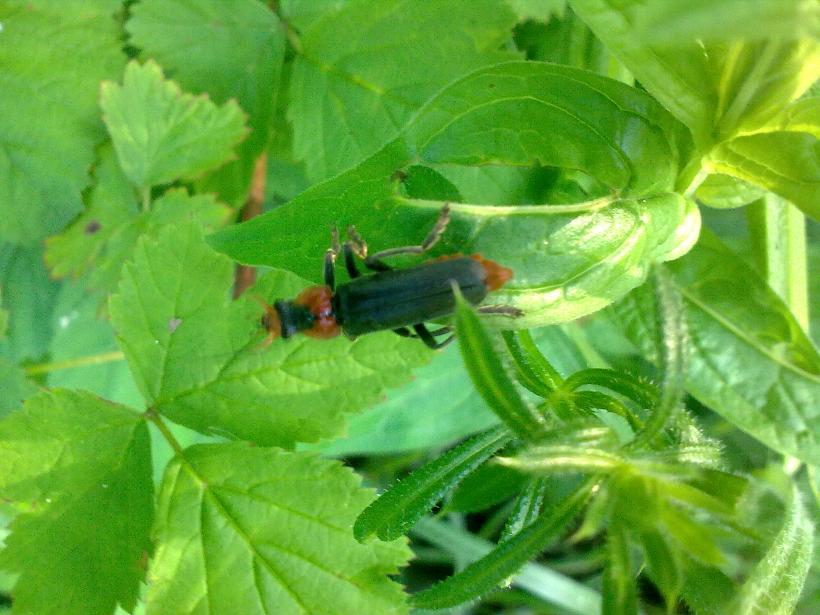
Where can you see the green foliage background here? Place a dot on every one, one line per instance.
(653, 428)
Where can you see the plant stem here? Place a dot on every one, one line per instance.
(95, 359)
(778, 236)
(152, 415)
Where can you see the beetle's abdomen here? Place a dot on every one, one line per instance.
(404, 297)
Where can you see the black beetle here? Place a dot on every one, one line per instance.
(397, 299)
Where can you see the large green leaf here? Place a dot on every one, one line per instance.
(569, 259)
(201, 361)
(362, 70)
(716, 89)
(28, 297)
(53, 56)
(749, 359)
(85, 464)
(227, 50)
(270, 531)
(161, 134)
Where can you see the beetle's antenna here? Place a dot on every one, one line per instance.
(438, 230)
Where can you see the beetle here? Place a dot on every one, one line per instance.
(388, 299)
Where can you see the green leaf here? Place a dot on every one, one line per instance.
(717, 90)
(161, 134)
(198, 358)
(14, 387)
(81, 333)
(750, 361)
(268, 530)
(487, 486)
(727, 192)
(227, 50)
(675, 21)
(619, 580)
(527, 507)
(539, 10)
(302, 13)
(482, 575)
(664, 565)
(111, 204)
(776, 582)
(85, 463)
(28, 296)
(53, 57)
(787, 163)
(398, 509)
(344, 105)
(490, 377)
(569, 259)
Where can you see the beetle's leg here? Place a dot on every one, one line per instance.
(405, 332)
(501, 310)
(427, 337)
(330, 259)
(376, 262)
(350, 262)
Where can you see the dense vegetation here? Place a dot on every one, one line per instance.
(643, 439)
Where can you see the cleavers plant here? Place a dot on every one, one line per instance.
(643, 439)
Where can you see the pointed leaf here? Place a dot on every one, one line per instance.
(397, 510)
(268, 530)
(619, 595)
(200, 359)
(53, 55)
(490, 377)
(86, 464)
(161, 134)
(776, 582)
(344, 106)
(484, 574)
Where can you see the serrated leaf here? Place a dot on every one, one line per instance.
(111, 204)
(227, 50)
(29, 297)
(344, 105)
(83, 334)
(14, 387)
(490, 377)
(162, 134)
(53, 57)
(484, 574)
(200, 359)
(86, 465)
(398, 509)
(569, 259)
(776, 582)
(750, 362)
(270, 531)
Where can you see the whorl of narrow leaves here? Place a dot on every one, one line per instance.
(397, 510)
(161, 134)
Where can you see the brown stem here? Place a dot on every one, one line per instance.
(245, 275)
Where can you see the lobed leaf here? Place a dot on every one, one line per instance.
(200, 359)
(269, 530)
(398, 509)
(363, 69)
(569, 259)
(161, 134)
(85, 466)
(226, 50)
(53, 57)
(750, 361)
